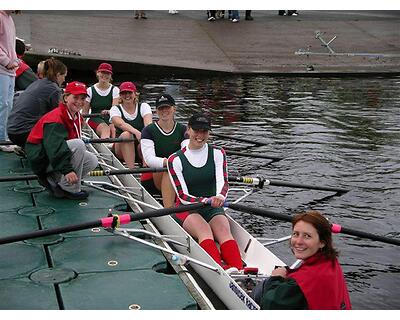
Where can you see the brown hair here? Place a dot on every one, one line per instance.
(52, 67)
(323, 227)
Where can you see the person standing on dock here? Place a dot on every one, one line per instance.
(199, 173)
(318, 283)
(101, 97)
(55, 150)
(40, 97)
(159, 140)
(8, 66)
(129, 118)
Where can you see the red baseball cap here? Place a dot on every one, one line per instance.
(76, 88)
(127, 86)
(105, 67)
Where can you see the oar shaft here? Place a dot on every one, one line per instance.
(108, 140)
(260, 212)
(5, 143)
(104, 222)
(305, 186)
(251, 155)
(371, 236)
(229, 137)
(335, 228)
(92, 115)
(97, 173)
(49, 232)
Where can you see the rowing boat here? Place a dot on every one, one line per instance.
(181, 249)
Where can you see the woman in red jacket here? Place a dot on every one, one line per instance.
(55, 150)
(318, 284)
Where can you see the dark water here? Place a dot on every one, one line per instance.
(331, 132)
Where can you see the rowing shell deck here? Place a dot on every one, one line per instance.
(89, 269)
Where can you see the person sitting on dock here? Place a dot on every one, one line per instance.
(24, 75)
(198, 173)
(129, 118)
(159, 140)
(318, 283)
(55, 150)
(40, 97)
(101, 97)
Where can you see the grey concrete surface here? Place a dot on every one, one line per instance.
(188, 43)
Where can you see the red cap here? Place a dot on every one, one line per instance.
(105, 67)
(76, 88)
(127, 86)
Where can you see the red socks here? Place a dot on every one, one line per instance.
(231, 255)
(210, 247)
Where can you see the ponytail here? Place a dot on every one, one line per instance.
(52, 67)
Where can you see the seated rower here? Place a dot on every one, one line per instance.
(101, 97)
(55, 150)
(318, 284)
(159, 140)
(129, 118)
(198, 173)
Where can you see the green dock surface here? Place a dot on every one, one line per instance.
(88, 269)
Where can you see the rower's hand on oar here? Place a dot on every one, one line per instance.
(71, 177)
(279, 272)
(217, 201)
(105, 112)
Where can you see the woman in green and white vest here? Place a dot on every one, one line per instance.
(199, 173)
(101, 97)
(159, 140)
(129, 118)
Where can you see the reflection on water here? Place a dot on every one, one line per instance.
(333, 132)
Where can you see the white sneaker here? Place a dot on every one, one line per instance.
(173, 11)
(9, 148)
(235, 20)
(232, 270)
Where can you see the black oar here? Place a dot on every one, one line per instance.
(304, 186)
(335, 227)
(86, 140)
(107, 222)
(6, 143)
(251, 155)
(92, 115)
(107, 140)
(255, 181)
(228, 137)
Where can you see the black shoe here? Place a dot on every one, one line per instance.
(81, 195)
(250, 18)
(42, 179)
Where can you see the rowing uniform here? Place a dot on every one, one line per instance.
(100, 100)
(197, 175)
(318, 284)
(134, 119)
(156, 145)
(54, 147)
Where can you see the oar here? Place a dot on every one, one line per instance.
(251, 155)
(86, 140)
(228, 137)
(335, 227)
(107, 222)
(90, 115)
(6, 143)
(255, 181)
(107, 140)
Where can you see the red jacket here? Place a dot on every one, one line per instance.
(322, 283)
(58, 115)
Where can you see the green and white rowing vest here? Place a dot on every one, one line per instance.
(201, 182)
